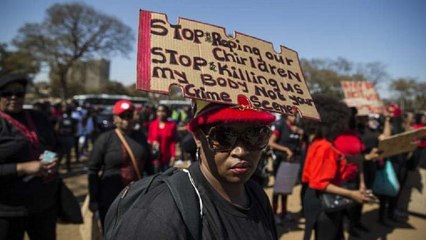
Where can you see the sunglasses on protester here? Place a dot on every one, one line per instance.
(223, 139)
(18, 94)
(126, 115)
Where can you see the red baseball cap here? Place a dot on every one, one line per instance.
(122, 106)
(395, 110)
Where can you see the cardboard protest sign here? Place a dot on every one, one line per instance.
(363, 96)
(209, 65)
(400, 143)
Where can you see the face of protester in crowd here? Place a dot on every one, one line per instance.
(12, 97)
(231, 152)
(123, 115)
(162, 113)
(291, 119)
(230, 141)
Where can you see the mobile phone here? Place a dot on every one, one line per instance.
(48, 157)
(371, 196)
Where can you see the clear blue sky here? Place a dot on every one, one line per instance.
(392, 32)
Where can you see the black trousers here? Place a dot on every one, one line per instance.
(40, 226)
(329, 226)
(326, 226)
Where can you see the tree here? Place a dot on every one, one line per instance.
(17, 62)
(72, 32)
(410, 93)
(113, 87)
(420, 96)
(325, 75)
(322, 77)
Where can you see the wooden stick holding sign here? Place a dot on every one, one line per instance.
(400, 143)
(207, 64)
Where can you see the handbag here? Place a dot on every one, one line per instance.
(385, 182)
(333, 202)
(68, 206)
(91, 229)
(130, 152)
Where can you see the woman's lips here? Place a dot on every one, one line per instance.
(241, 168)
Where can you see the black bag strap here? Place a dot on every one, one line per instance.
(185, 193)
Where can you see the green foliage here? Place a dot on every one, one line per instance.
(324, 75)
(111, 87)
(17, 62)
(410, 93)
(71, 32)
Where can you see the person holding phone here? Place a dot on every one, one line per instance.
(327, 169)
(27, 185)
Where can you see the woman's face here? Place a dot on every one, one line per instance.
(12, 97)
(124, 121)
(162, 113)
(231, 152)
(291, 119)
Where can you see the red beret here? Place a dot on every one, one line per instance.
(121, 106)
(220, 113)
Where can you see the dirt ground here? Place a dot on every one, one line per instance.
(413, 228)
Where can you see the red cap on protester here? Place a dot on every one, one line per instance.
(122, 106)
(395, 110)
(211, 113)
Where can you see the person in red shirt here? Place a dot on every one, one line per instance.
(350, 144)
(325, 169)
(162, 135)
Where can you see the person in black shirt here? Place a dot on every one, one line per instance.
(229, 141)
(66, 128)
(27, 186)
(286, 144)
(110, 156)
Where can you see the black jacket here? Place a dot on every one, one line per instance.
(18, 194)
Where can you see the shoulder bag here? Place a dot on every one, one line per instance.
(130, 152)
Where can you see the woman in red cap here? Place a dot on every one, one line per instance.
(121, 154)
(230, 140)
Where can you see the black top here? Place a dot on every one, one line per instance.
(157, 217)
(369, 137)
(67, 126)
(110, 157)
(287, 137)
(16, 193)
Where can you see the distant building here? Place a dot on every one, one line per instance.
(91, 74)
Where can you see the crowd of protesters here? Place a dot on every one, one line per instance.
(338, 155)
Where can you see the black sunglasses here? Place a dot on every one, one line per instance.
(223, 139)
(18, 94)
(126, 115)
